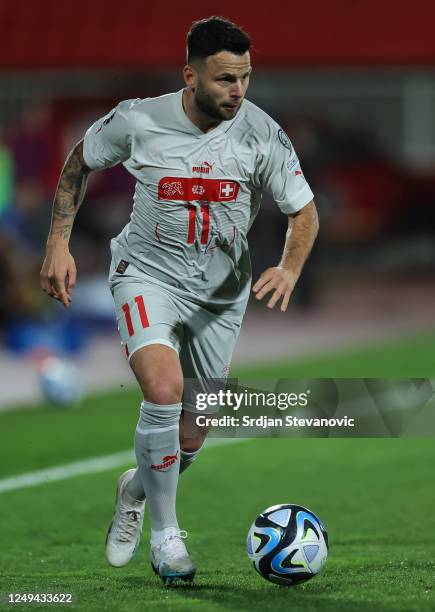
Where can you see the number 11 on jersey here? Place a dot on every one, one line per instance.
(205, 217)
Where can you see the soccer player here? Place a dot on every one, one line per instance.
(180, 273)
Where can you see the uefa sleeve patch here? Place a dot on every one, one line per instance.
(285, 140)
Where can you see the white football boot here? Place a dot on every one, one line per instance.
(123, 535)
(170, 559)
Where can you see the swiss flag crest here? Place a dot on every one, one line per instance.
(227, 190)
(197, 189)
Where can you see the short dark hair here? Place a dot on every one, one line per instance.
(209, 36)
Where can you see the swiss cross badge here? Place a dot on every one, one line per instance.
(226, 190)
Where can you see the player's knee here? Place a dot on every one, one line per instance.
(163, 392)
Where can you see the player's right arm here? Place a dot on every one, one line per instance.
(58, 273)
(106, 143)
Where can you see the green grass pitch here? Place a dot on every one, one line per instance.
(376, 497)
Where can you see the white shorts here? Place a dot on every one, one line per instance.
(148, 312)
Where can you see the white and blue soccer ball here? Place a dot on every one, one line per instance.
(287, 544)
(60, 382)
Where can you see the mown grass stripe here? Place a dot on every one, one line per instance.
(87, 466)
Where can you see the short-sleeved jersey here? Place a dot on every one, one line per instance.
(196, 193)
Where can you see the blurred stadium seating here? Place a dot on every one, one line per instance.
(352, 85)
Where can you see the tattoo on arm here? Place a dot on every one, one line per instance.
(69, 194)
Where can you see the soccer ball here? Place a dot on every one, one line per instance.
(287, 544)
(60, 382)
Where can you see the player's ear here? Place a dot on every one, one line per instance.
(190, 77)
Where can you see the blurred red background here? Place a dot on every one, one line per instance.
(138, 34)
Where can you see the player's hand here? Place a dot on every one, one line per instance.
(58, 274)
(278, 280)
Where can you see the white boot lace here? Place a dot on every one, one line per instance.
(128, 523)
(174, 544)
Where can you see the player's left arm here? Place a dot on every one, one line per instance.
(303, 227)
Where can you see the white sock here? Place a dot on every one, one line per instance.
(158, 535)
(134, 487)
(157, 449)
(186, 459)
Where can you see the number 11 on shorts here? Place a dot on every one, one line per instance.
(142, 314)
(205, 214)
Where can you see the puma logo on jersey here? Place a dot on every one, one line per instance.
(167, 461)
(206, 168)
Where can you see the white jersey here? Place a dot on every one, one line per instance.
(196, 193)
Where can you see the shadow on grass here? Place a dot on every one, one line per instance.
(274, 598)
(236, 592)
